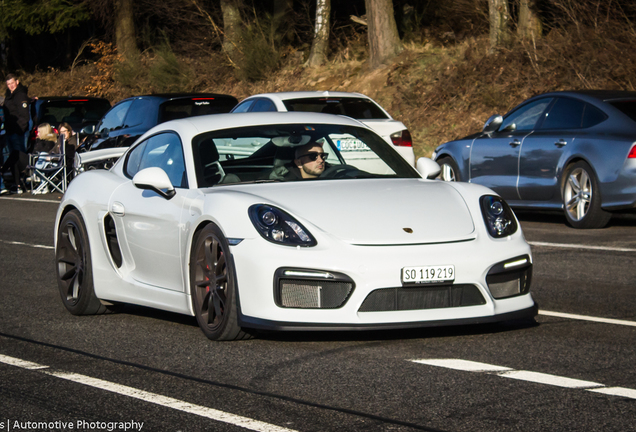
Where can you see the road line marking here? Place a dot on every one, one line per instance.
(616, 391)
(154, 398)
(27, 244)
(588, 318)
(542, 378)
(31, 200)
(535, 377)
(578, 246)
(20, 363)
(463, 365)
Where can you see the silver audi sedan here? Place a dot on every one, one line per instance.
(571, 150)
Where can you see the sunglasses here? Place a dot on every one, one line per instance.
(312, 156)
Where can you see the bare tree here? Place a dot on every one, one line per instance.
(318, 54)
(529, 25)
(125, 34)
(231, 29)
(384, 41)
(499, 23)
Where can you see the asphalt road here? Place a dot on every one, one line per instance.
(155, 371)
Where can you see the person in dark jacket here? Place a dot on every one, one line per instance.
(16, 112)
(16, 117)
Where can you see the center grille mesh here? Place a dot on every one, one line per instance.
(422, 297)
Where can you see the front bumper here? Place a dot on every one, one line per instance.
(261, 324)
(374, 268)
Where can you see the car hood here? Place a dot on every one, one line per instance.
(376, 211)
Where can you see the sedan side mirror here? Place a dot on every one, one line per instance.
(428, 168)
(88, 130)
(156, 180)
(493, 123)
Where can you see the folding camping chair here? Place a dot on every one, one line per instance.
(51, 170)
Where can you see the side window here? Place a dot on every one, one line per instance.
(137, 112)
(592, 116)
(525, 118)
(566, 113)
(134, 158)
(166, 152)
(243, 106)
(263, 105)
(114, 119)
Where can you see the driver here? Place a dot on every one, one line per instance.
(309, 163)
(310, 160)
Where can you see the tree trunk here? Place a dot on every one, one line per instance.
(125, 34)
(318, 54)
(499, 23)
(529, 26)
(231, 29)
(384, 41)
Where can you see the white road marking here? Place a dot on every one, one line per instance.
(463, 365)
(554, 380)
(31, 200)
(535, 377)
(579, 246)
(588, 318)
(20, 363)
(26, 244)
(616, 391)
(154, 398)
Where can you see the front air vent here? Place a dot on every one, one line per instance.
(311, 289)
(111, 240)
(422, 297)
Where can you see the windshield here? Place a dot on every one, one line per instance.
(357, 108)
(296, 152)
(77, 112)
(627, 107)
(195, 106)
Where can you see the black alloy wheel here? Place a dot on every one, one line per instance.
(213, 286)
(74, 267)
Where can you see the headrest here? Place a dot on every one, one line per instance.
(291, 140)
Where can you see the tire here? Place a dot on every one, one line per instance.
(213, 286)
(582, 197)
(74, 267)
(449, 169)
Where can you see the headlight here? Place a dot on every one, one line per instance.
(276, 226)
(499, 218)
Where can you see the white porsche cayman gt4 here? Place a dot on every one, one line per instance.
(258, 221)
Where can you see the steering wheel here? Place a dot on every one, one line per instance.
(214, 169)
(340, 171)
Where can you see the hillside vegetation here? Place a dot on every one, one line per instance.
(441, 89)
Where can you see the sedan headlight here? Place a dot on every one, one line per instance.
(276, 226)
(499, 218)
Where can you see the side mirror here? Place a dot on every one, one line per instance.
(428, 168)
(88, 130)
(156, 180)
(493, 123)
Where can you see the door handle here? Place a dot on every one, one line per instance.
(561, 143)
(118, 209)
(515, 143)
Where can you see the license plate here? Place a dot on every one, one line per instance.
(428, 274)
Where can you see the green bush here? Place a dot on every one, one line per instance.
(168, 74)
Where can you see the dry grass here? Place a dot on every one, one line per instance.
(441, 92)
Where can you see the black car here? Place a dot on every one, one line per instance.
(132, 117)
(78, 111)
